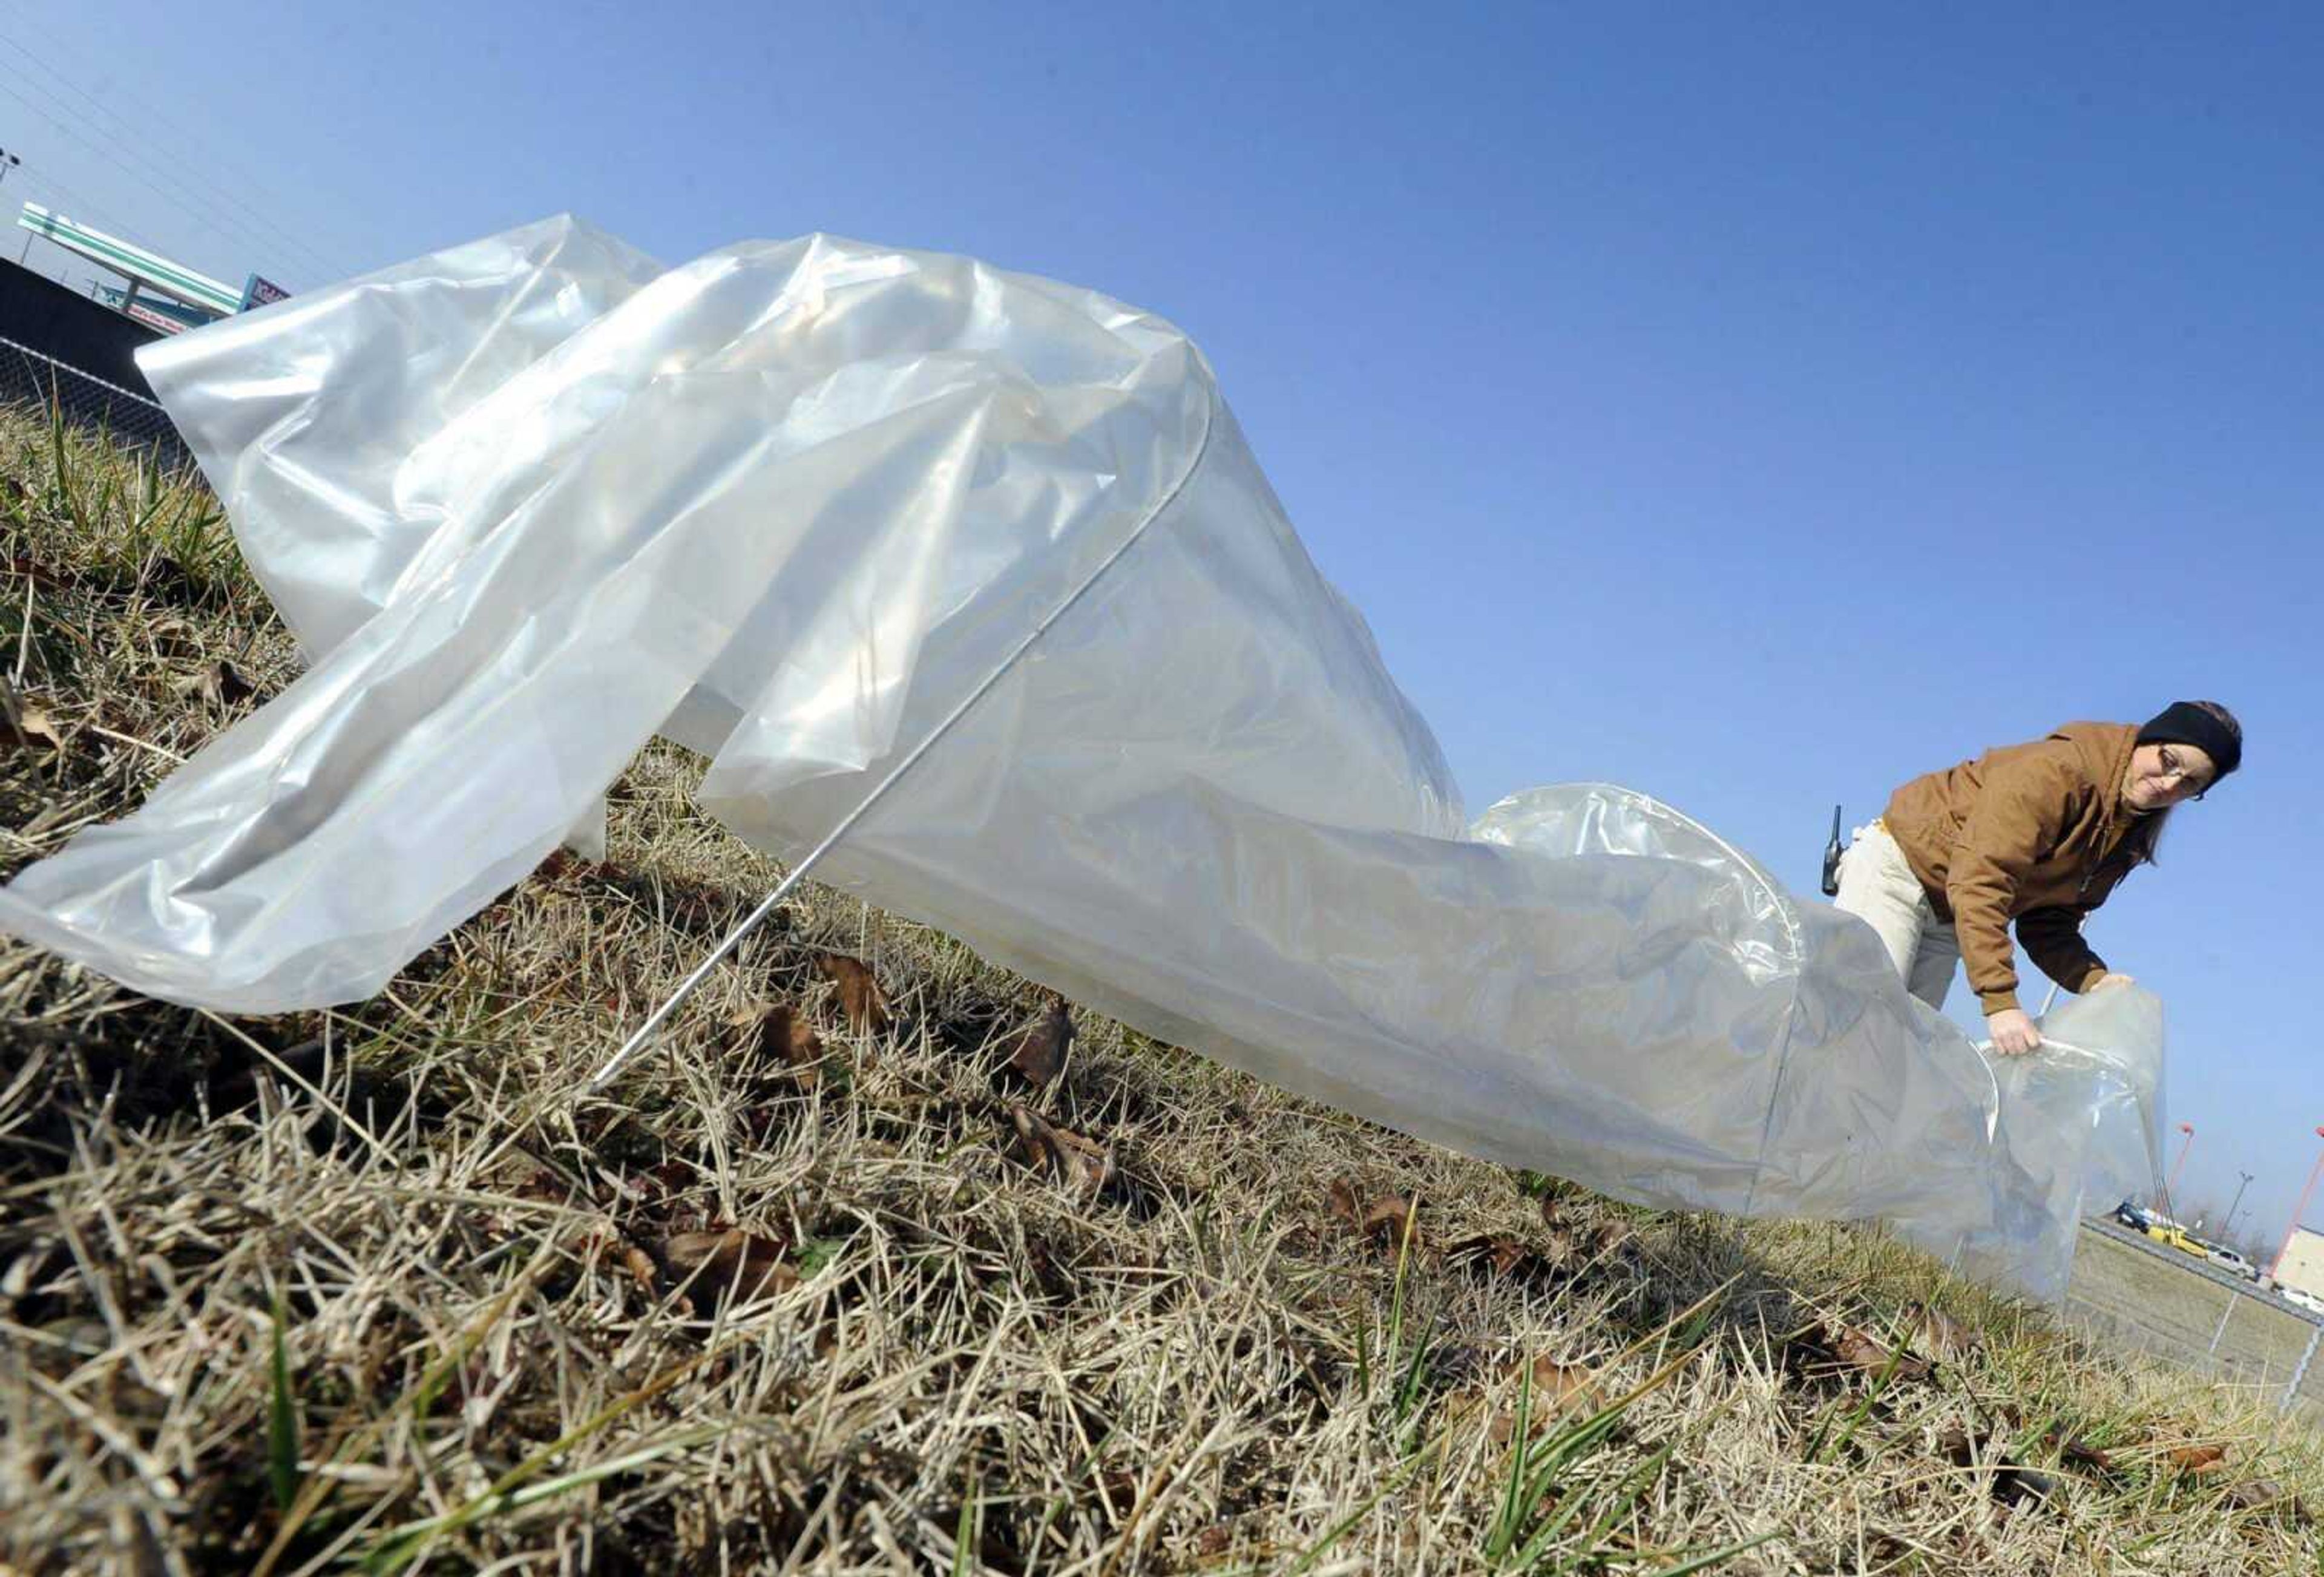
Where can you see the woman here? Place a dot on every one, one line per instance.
(2039, 834)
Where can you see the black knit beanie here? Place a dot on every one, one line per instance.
(2188, 723)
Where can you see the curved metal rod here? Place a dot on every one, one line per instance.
(773, 900)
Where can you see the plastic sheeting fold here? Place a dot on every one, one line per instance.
(529, 502)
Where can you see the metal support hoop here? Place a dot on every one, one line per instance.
(773, 900)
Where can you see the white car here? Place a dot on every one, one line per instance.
(2306, 1300)
(2229, 1261)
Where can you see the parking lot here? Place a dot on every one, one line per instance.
(2132, 1290)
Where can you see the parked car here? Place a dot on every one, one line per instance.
(2306, 1300)
(2229, 1261)
(2172, 1234)
(2131, 1216)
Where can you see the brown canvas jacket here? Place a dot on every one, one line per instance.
(2030, 833)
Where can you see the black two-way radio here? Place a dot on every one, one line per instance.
(1832, 850)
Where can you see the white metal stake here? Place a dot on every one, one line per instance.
(2315, 1329)
(2234, 1297)
(773, 900)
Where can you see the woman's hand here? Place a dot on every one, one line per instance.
(2013, 1032)
(2111, 979)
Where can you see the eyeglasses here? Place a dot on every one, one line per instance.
(2176, 772)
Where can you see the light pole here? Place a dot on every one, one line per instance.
(2300, 1209)
(2170, 1189)
(2227, 1223)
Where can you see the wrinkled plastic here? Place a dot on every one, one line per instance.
(808, 507)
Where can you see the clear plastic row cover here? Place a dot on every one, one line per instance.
(810, 506)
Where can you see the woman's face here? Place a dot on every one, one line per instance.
(2164, 775)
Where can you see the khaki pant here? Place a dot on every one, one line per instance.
(1878, 887)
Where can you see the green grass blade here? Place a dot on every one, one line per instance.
(1634, 1484)
(396, 1546)
(1339, 1530)
(281, 1421)
(318, 1488)
(61, 476)
(1504, 1531)
(1415, 1369)
(1718, 1557)
(962, 1565)
(1863, 1409)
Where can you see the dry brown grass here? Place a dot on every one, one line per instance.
(386, 1287)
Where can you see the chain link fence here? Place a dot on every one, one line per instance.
(2139, 1293)
(88, 402)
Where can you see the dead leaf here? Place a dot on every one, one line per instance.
(170, 636)
(223, 686)
(2081, 1452)
(1859, 1349)
(754, 1266)
(2266, 1495)
(218, 686)
(1384, 1222)
(861, 1001)
(1505, 1255)
(1470, 1405)
(35, 730)
(1511, 1257)
(2015, 1483)
(1502, 1257)
(1557, 1389)
(25, 726)
(1391, 1219)
(1808, 1354)
(1082, 1165)
(1040, 1054)
(2196, 1460)
(1941, 1333)
(2011, 1483)
(782, 1033)
(1561, 1385)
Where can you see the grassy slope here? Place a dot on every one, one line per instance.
(498, 1336)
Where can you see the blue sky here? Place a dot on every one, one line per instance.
(1754, 405)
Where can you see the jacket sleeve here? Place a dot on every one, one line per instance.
(2054, 941)
(2021, 808)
